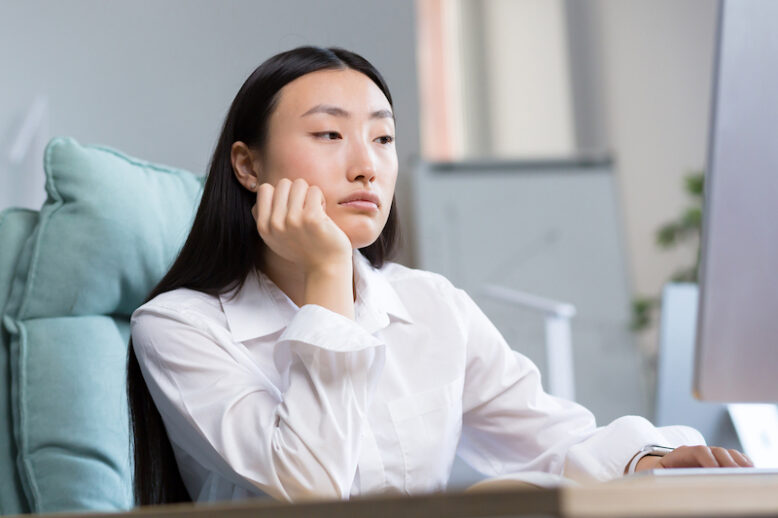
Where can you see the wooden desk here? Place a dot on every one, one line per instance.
(751, 495)
(755, 495)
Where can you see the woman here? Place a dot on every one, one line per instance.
(284, 354)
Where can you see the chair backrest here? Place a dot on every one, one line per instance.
(16, 225)
(675, 403)
(108, 231)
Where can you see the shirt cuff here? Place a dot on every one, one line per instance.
(320, 327)
(606, 453)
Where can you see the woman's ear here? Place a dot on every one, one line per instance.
(244, 165)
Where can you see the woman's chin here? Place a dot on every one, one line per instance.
(361, 235)
(361, 240)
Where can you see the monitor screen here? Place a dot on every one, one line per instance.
(736, 356)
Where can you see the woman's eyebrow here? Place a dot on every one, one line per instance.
(336, 111)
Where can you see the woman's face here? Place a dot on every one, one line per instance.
(335, 130)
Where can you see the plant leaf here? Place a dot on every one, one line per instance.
(695, 183)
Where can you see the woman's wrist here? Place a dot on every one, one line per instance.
(647, 458)
(330, 267)
(648, 462)
(330, 285)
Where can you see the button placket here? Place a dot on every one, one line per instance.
(372, 476)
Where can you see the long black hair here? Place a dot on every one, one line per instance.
(223, 246)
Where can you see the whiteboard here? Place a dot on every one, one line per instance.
(547, 227)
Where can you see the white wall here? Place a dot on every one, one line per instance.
(529, 98)
(628, 77)
(154, 79)
(656, 64)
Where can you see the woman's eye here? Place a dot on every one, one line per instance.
(386, 139)
(328, 135)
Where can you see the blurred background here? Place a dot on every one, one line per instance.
(543, 144)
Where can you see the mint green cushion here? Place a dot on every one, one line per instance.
(16, 225)
(109, 230)
(72, 412)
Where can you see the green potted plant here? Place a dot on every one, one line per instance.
(686, 228)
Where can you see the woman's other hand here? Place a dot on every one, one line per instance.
(292, 220)
(696, 457)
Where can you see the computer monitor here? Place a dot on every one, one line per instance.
(736, 357)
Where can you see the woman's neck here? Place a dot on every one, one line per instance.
(288, 276)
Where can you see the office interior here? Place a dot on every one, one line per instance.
(588, 119)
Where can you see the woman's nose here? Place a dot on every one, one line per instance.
(361, 164)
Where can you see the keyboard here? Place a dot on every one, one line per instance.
(701, 472)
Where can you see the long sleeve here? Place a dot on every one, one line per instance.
(510, 424)
(291, 440)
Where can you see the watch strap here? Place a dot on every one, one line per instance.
(648, 450)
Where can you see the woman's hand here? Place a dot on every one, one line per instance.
(292, 221)
(696, 457)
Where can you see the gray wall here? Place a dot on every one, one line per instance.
(642, 83)
(154, 79)
(642, 75)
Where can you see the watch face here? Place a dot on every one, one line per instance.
(658, 451)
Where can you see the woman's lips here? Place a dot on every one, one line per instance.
(361, 205)
(362, 200)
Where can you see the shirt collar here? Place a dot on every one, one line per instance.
(376, 296)
(260, 308)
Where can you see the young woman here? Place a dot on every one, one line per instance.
(283, 354)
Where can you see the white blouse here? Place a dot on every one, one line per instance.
(259, 396)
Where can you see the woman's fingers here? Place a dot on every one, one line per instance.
(723, 458)
(296, 201)
(314, 200)
(285, 203)
(705, 457)
(264, 207)
(280, 202)
(701, 456)
(293, 223)
(689, 457)
(741, 458)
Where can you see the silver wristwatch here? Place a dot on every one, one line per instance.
(649, 449)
